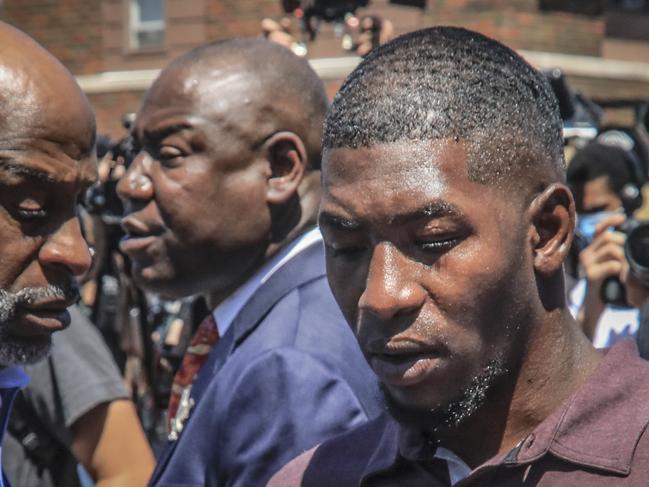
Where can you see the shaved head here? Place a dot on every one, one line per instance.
(31, 80)
(266, 98)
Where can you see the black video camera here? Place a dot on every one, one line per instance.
(636, 251)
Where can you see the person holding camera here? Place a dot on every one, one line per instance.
(606, 186)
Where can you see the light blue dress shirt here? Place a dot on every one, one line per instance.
(225, 313)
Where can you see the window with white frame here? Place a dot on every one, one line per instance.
(147, 24)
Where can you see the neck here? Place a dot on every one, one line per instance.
(558, 360)
(305, 216)
(302, 219)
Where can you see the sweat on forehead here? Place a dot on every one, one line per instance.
(275, 73)
(447, 82)
(38, 94)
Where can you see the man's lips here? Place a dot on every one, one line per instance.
(139, 236)
(403, 363)
(42, 320)
(135, 246)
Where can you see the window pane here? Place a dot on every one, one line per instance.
(150, 39)
(150, 10)
(147, 24)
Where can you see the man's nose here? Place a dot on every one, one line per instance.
(135, 184)
(391, 288)
(66, 248)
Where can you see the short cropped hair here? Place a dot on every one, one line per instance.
(597, 160)
(448, 82)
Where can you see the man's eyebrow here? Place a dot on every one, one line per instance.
(434, 209)
(163, 130)
(340, 223)
(26, 172)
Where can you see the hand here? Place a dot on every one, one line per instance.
(110, 168)
(636, 292)
(604, 257)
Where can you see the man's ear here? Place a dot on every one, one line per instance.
(288, 159)
(552, 228)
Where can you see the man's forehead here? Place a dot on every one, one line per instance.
(198, 90)
(46, 124)
(36, 115)
(42, 140)
(387, 180)
(18, 95)
(403, 164)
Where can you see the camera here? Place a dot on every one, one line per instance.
(312, 12)
(636, 251)
(327, 10)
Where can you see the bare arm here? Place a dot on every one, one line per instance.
(109, 442)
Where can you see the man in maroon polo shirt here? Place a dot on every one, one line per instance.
(446, 222)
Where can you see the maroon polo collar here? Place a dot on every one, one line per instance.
(598, 427)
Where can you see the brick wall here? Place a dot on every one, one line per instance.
(109, 108)
(70, 29)
(520, 24)
(89, 36)
(228, 18)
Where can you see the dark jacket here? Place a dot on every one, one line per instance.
(287, 374)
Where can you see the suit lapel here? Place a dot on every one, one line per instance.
(213, 364)
(302, 268)
(207, 371)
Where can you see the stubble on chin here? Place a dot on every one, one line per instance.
(453, 414)
(14, 352)
(17, 351)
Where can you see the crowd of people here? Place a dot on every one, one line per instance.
(406, 287)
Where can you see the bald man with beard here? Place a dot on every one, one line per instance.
(221, 200)
(47, 137)
(47, 161)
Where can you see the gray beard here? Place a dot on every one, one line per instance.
(453, 414)
(16, 351)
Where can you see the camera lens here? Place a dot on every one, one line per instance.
(637, 252)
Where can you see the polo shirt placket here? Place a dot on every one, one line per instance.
(595, 438)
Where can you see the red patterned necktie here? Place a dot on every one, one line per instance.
(204, 339)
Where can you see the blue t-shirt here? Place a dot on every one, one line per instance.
(12, 379)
